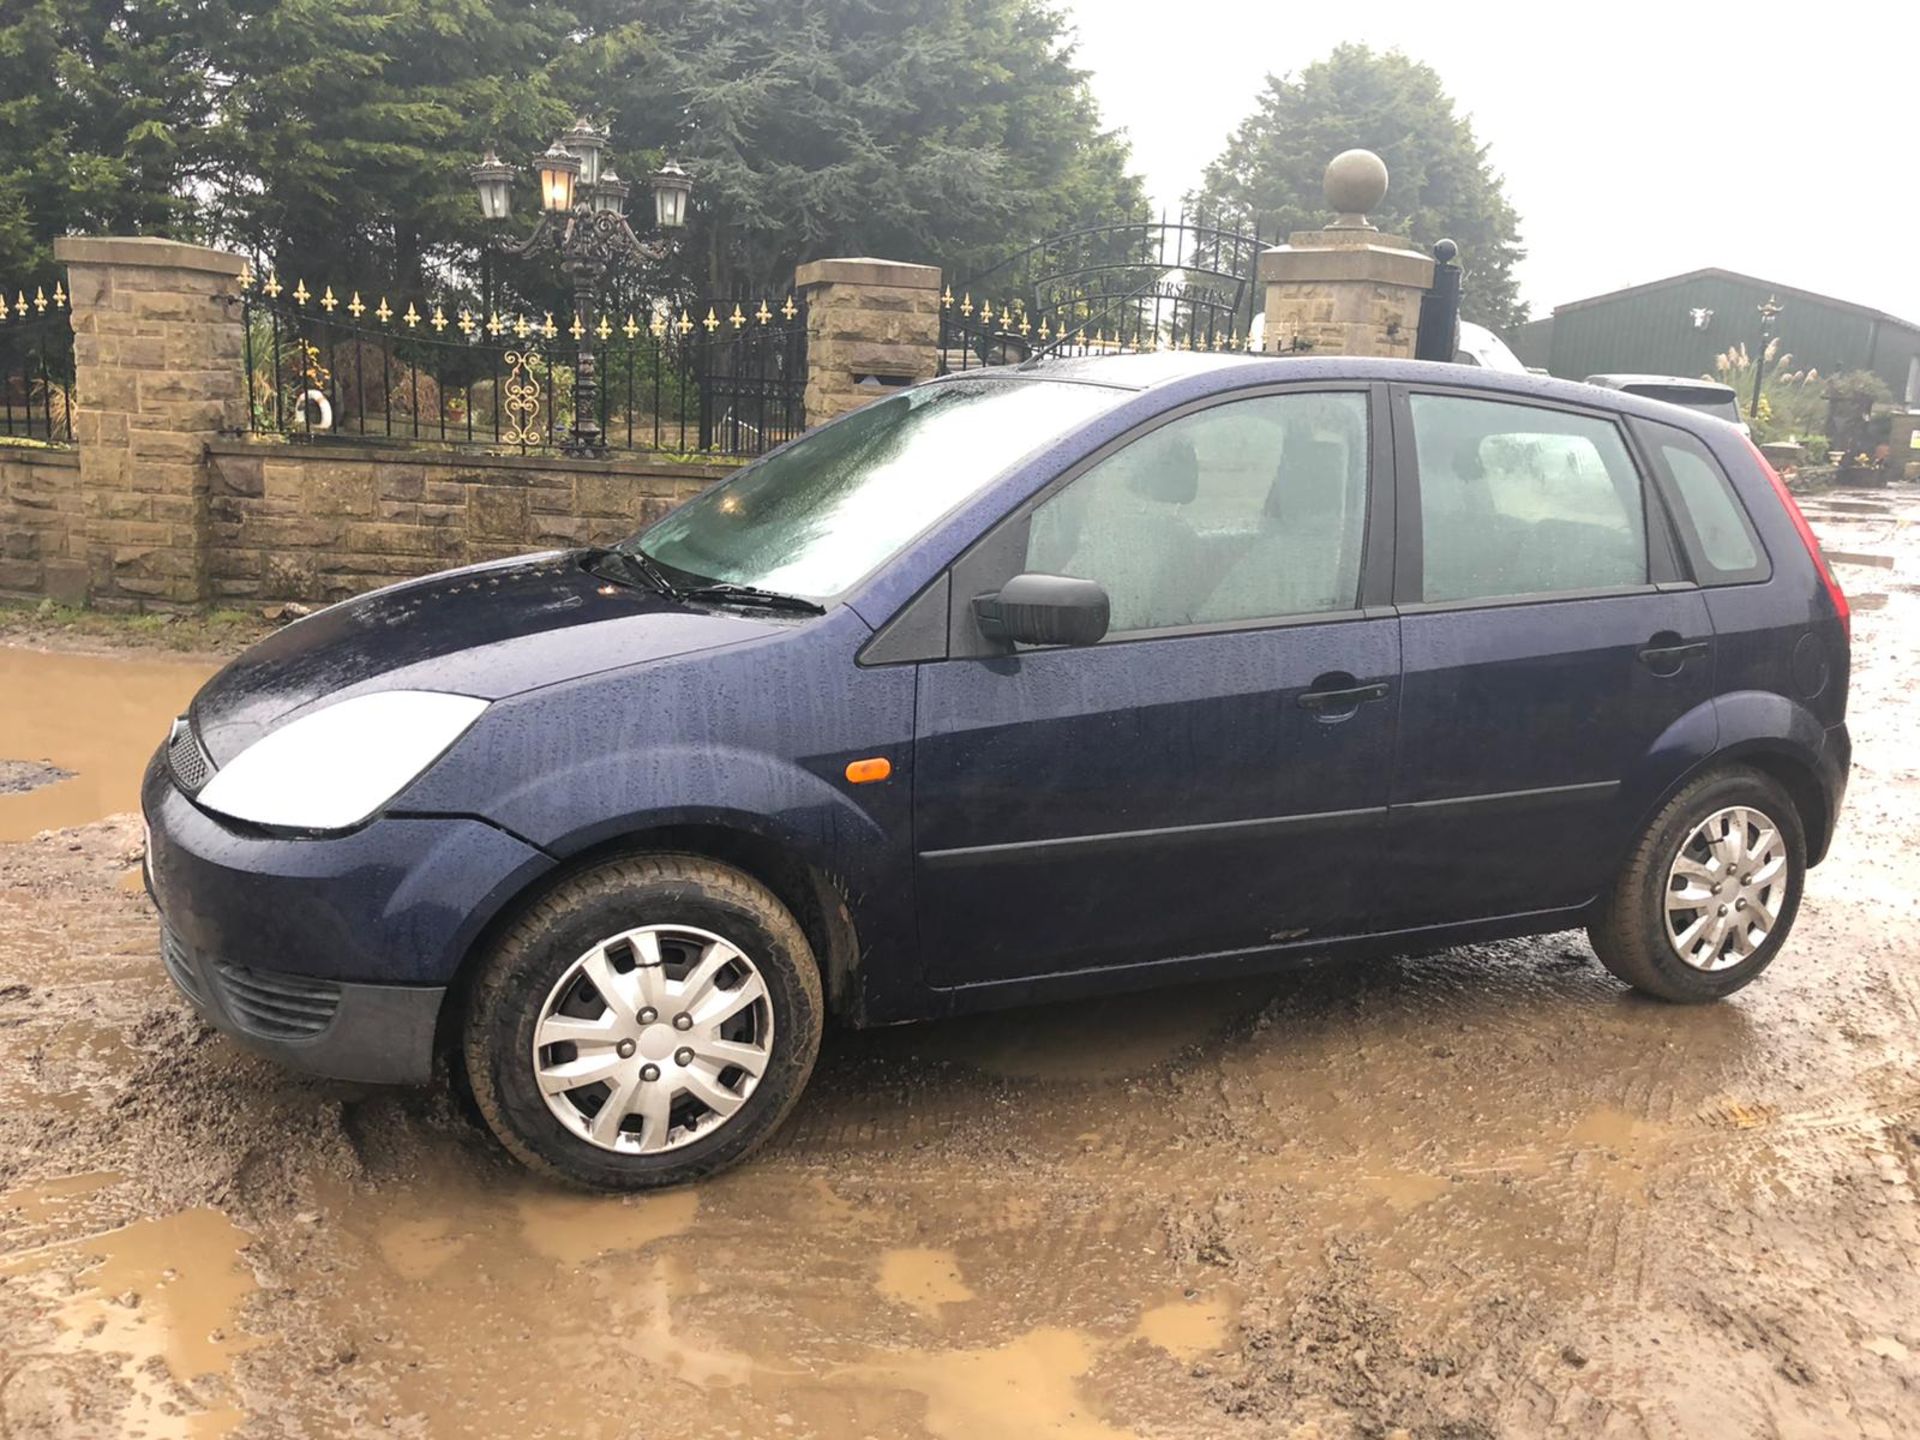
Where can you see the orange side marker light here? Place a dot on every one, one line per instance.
(866, 772)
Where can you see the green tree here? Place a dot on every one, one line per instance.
(345, 127)
(1442, 184)
(946, 131)
(922, 129)
(101, 109)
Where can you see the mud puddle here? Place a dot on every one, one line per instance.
(76, 732)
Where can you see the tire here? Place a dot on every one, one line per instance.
(1652, 910)
(645, 926)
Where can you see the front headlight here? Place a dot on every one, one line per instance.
(331, 769)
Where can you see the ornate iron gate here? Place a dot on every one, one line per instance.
(1132, 285)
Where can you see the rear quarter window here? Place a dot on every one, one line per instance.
(1715, 532)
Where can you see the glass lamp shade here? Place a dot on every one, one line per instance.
(494, 181)
(671, 187)
(589, 144)
(559, 171)
(609, 194)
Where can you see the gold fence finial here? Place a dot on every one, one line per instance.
(412, 317)
(385, 311)
(327, 301)
(736, 319)
(271, 287)
(300, 292)
(356, 307)
(631, 328)
(712, 322)
(789, 309)
(59, 294)
(439, 319)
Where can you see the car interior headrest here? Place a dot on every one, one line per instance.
(1312, 483)
(1169, 472)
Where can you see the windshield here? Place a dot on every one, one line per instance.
(816, 516)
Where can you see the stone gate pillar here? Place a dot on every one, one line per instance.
(1347, 289)
(158, 371)
(873, 327)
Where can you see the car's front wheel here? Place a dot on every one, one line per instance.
(1708, 895)
(647, 1022)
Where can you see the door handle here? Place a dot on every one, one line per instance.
(1666, 652)
(1351, 698)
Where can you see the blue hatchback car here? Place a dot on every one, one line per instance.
(1022, 684)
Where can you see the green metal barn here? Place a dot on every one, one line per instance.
(1676, 326)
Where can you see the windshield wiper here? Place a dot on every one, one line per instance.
(636, 567)
(753, 595)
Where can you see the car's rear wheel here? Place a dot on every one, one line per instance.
(1709, 894)
(648, 1022)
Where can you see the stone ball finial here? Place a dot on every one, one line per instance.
(1356, 183)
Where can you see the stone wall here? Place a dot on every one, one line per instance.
(158, 371)
(319, 523)
(1344, 292)
(40, 549)
(873, 327)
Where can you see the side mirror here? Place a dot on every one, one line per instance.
(1045, 610)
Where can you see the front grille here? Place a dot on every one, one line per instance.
(190, 764)
(173, 955)
(277, 1007)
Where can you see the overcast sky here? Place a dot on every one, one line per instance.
(1664, 138)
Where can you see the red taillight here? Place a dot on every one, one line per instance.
(1807, 538)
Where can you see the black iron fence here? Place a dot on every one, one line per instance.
(36, 365)
(1131, 285)
(675, 376)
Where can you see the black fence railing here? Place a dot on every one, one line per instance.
(36, 365)
(674, 377)
(1127, 286)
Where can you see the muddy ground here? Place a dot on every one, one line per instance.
(1484, 1193)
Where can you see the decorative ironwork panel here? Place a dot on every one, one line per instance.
(332, 360)
(36, 364)
(1128, 286)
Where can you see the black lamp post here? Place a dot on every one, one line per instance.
(1769, 313)
(582, 205)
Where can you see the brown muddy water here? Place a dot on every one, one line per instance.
(1481, 1193)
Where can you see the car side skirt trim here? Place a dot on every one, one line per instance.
(1017, 851)
(1511, 799)
(1226, 964)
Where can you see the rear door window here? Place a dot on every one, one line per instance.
(1519, 500)
(1714, 529)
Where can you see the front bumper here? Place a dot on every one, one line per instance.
(332, 955)
(375, 1033)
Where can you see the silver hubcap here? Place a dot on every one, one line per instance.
(1725, 888)
(652, 1039)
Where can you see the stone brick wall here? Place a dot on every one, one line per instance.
(160, 505)
(1344, 292)
(40, 550)
(157, 354)
(873, 327)
(320, 523)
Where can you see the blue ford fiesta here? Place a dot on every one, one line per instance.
(1017, 685)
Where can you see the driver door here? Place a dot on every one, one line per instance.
(1212, 776)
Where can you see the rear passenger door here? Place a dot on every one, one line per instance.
(1549, 649)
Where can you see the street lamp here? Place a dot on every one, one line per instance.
(583, 219)
(1769, 313)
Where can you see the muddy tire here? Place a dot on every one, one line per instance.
(648, 1022)
(1709, 894)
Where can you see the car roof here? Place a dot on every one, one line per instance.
(1671, 382)
(1196, 373)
